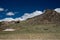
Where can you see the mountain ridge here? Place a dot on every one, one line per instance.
(49, 16)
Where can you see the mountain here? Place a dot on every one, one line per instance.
(48, 21)
(49, 16)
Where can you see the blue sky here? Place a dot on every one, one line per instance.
(19, 7)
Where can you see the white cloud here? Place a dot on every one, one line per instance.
(57, 10)
(1, 9)
(16, 19)
(10, 13)
(24, 17)
(7, 19)
(30, 15)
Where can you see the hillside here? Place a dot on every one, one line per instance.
(49, 16)
(47, 22)
(44, 26)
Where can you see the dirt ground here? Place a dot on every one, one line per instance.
(40, 36)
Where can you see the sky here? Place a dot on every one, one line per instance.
(23, 9)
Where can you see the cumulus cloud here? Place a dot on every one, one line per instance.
(11, 19)
(10, 13)
(7, 19)
(1, 9)
(24, 17)
(57, 10)
(30, 15)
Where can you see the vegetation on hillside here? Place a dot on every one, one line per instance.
(49, 21)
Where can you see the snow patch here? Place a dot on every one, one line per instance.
(9, 30)
(57, 10)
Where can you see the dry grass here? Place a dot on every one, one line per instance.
(33, 32)
(31, 36)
